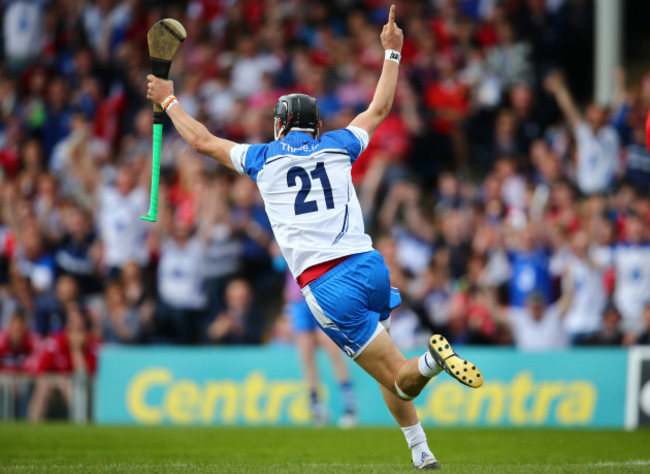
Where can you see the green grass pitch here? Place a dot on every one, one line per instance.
(69, 448)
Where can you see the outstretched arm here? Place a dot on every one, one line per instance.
(391, 38)
(192, 131)
(554, 84)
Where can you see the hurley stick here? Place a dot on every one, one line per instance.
(164, 38)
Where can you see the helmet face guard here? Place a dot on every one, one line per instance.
(296, 113)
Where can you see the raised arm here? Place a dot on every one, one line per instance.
(391, 39)
(554, 84)
(192, 131)
(568, 291)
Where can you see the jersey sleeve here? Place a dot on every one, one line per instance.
(248, 159)
(352, 139)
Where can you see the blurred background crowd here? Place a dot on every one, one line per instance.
(510, 209)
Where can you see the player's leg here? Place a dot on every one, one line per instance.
(306, 345)
(409, 377)
(404, 413)
(305, 336)
(388, 366)
(343, 378)
(391, 360)
(383, 360)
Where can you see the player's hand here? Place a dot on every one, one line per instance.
(158, 89)
(392, 36)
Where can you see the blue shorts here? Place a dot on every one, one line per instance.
(301, 318)
(352, 302)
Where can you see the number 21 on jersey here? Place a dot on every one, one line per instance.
(301, 205)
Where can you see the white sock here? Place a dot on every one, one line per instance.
(428, 367)
(417, 442)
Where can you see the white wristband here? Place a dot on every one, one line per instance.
(168, 102)
(171, 104)
(392, 55)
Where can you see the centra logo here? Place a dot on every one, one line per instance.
(154, 396)
(522, 401)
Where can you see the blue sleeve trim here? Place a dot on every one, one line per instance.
(255, 159)
(347, 140)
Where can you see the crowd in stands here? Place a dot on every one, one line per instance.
(507, 213)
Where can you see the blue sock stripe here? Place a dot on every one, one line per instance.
(426, 362)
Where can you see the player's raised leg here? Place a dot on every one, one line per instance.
(413, 375)
(406, 378)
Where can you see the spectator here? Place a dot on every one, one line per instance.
(34, 262)
(23, 32)
(138, 294)
(466, 316)
(436, 295)
(413, 234)
(72, 350)
(77, 253)
(240, 322)
(406, 330)
(509, 59)
(251, 66)
(181, 309)
(610, 333)
(530, 118)
(632, 273)
(582, 319)
(121, 230)
(51, 310)
(529, 265)
(644, 337)
(597, 144)
(250, 222)
(538, 327)
(535, 23)
(223, 247)
(637, 157)
(17, 344)
(448, 100)
(119, 322)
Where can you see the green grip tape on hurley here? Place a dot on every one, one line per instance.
(155, 174)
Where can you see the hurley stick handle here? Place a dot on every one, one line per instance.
(164, 38)
(159, 68)
(152, 215)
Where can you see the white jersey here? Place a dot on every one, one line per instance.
(308, 194)
(597, 158)
(180, 274)
(589, 298)
(537, 335)
(122, 231)
(632, 264)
